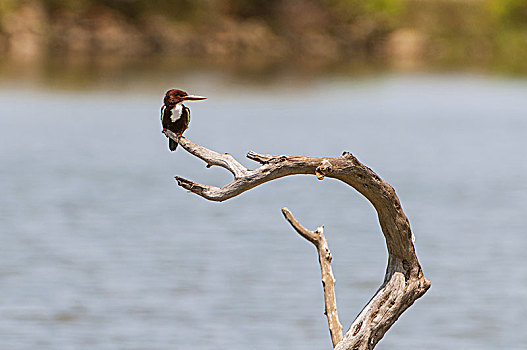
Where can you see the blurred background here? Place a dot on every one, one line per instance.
(101, 250)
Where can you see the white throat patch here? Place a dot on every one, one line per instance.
(176, 112)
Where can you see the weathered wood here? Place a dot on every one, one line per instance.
(328, 279)
(212, 158)
(404, 281)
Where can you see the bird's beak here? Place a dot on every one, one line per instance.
(193, 98)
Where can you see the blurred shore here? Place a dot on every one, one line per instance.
(259, 35)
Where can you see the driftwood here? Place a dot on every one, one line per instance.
(328, 280)
(404, 281)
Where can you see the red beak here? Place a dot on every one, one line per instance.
(193, 98)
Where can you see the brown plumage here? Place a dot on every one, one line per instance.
(174, 115)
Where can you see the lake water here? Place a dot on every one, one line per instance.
(100, 249)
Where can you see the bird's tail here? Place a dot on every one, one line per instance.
(172, 145)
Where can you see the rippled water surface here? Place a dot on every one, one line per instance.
(101, 250)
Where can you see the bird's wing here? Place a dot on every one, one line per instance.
(187, 110)
(163, 111)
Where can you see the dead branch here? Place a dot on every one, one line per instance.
(328, 280)
(404, 281)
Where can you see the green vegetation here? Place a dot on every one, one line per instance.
(491, 34)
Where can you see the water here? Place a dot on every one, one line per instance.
(101, 250)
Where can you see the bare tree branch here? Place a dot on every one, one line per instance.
(328, 280)
(210, 157)
(404, 281)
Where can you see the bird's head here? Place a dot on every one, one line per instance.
(175, 96)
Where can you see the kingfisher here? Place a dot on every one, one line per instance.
(175, 116)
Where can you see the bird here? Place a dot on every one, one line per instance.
(175, 116)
